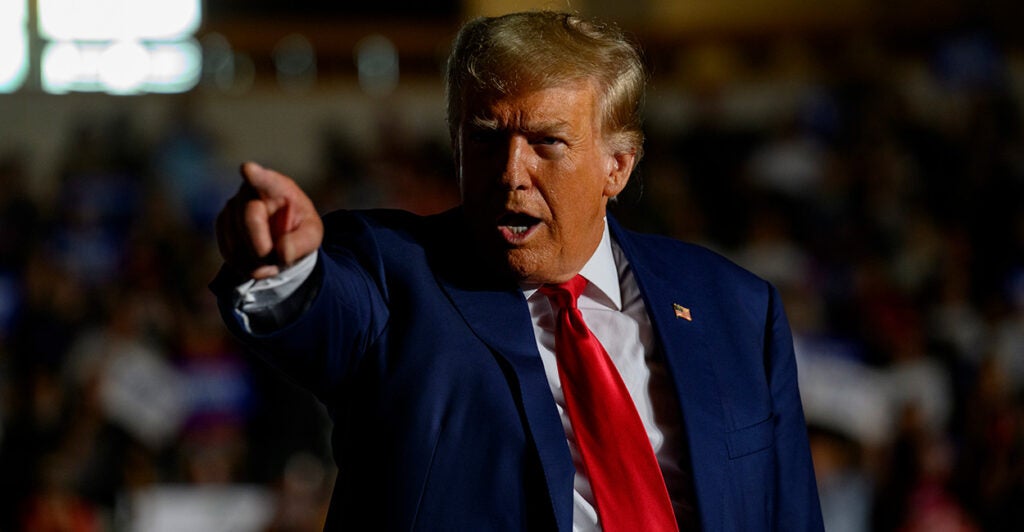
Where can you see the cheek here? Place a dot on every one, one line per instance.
(576, 216)
(471, 177)
(582, 193)
(479, 173)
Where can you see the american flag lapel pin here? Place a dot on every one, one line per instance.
(682, 312)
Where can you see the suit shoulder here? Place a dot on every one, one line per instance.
(662, 253)
(671, 253)
(372, 219)
(383, 224)
(392, 240)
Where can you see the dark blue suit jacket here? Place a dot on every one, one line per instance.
(443, 416)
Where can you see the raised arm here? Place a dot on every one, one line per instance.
(316, 334)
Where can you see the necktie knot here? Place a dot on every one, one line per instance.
(564, 295)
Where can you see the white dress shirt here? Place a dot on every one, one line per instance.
(614, 310)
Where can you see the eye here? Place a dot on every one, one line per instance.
(549, 147)
(481, 136)
(482, 133)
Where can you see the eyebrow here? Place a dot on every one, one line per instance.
(494, 124)
(480, 122)
(553, 126)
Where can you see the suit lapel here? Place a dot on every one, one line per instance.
(497, 313)
(689, 351)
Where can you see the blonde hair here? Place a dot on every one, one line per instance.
(508, 55)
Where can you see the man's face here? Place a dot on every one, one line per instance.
(536, 175)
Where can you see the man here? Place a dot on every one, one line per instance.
(455, 353)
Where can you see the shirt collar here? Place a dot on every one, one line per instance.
(601, 273)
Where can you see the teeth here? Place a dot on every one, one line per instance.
(517, 229)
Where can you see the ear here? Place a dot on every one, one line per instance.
(620, 167)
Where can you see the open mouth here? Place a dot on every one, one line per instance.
(516, 227)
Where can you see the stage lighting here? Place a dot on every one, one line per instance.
(13, 44)
(119, 46)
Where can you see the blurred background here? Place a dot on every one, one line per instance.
(865, 156)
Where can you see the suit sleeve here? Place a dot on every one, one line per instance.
(343, 310)
(797, 506)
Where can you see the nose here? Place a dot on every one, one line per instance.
(516, 174)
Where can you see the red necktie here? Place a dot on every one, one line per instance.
(624, 474)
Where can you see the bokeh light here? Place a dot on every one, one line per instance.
(13, 45)
(119, 46)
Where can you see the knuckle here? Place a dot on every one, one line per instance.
(254, 213)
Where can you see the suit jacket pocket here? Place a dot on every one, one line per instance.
(751, 439)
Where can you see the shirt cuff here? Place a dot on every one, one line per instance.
(260, 297)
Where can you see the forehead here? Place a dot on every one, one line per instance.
(571, 104)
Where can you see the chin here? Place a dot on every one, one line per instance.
(525, 265)
(531, 267)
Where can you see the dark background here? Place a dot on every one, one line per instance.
(866, 157)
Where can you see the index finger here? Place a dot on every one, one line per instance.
(266, 182)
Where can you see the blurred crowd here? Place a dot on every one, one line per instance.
(890, 214)
(888, 207)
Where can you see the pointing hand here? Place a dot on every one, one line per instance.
(269, 224)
